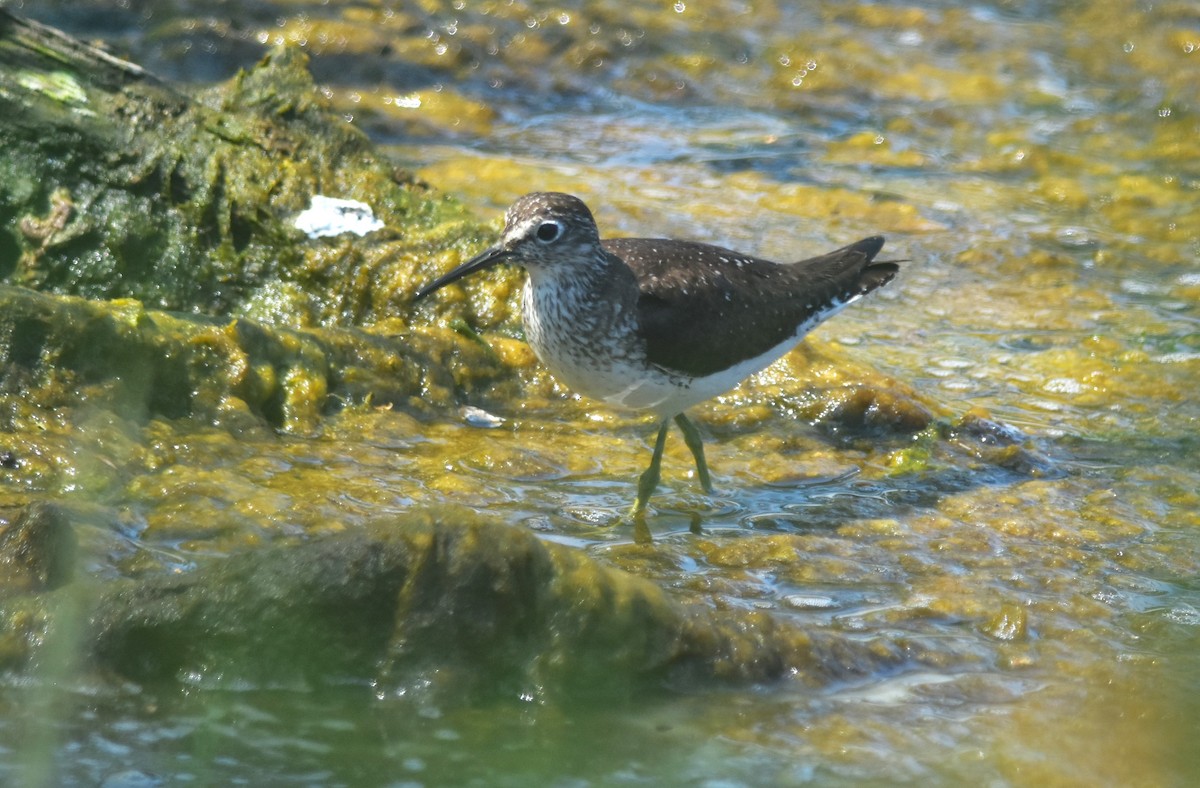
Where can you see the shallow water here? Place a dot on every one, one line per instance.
(1038, 168)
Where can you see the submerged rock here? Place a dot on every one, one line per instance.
(476, 607)
(37, 550)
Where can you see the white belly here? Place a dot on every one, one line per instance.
(590, 348)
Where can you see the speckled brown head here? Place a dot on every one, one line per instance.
(541, 229)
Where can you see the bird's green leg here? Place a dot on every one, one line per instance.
(649, 478)
(691, 436)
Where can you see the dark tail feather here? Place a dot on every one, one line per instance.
(849, 271)
(867, 247)
(877, 275)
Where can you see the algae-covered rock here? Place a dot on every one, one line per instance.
(116, 185)
(37, 551)
(59, 350)
(475, 606)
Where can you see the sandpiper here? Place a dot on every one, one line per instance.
(660, 325)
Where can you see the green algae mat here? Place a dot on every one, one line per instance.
(263, 520)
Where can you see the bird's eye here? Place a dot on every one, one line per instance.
(548, 232)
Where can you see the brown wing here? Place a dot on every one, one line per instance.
(703, 308)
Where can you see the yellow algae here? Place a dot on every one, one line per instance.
(839, 204)
(322, 36)
(435, 110)
(877, 15)
(931, 83)
(1186, 41)
(1060, 190)
(872, 148)
(498, 179)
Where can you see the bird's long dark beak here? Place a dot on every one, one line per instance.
(485, 259)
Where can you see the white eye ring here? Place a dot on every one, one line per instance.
(548, 232)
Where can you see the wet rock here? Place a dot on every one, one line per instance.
(141, 363)
(469, 607)
(872, 409)
(37, 550)
(119, 186)
(999, 445)
(1009, 623)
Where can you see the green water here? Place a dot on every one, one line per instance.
(1037, 165)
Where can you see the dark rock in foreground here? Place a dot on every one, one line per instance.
(474, 608)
